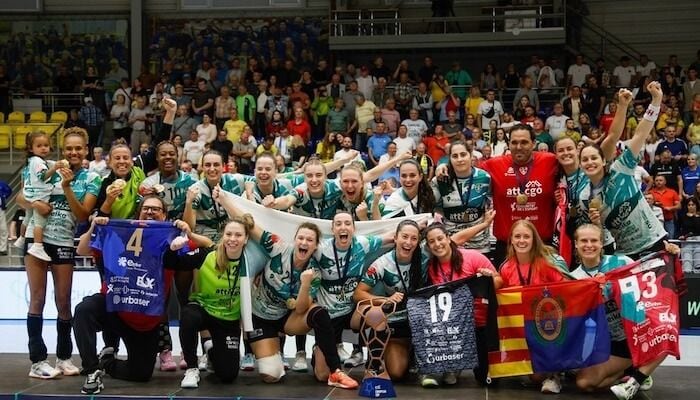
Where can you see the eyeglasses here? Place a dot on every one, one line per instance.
(151, 209)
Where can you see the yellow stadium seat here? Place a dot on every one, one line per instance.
(59, 116)
(20, 137)
(2, 118)
(5, 132)
(37, 117)
(16, 117)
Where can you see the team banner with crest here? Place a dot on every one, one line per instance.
(550, 328)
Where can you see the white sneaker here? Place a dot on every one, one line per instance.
(248, 362)
(449, 378)
(38, 252)
(357, 358)
(626, 390)
(428, 381)
(342, 353)
(551, 385)
(203, 363)
(19, 243)
(66, 367)
(43, 370)
(191, 379)
(299, 364)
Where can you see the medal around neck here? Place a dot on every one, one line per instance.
(521, 199)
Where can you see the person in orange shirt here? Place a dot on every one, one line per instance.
(669, 201)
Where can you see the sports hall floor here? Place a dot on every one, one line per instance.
(670, 382)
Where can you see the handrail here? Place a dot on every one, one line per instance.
(445, 19)
(606, 35)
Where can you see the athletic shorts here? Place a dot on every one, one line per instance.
(266, 328)
(60, 255)
(619, 348)
(400, 330)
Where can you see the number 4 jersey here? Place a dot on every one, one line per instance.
(133, 257)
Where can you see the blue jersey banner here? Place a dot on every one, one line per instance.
(133, 257)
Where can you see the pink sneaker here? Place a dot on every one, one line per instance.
(166, 361)
(183, 363)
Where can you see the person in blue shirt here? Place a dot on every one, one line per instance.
(678, 148)
(690, 176)
(378, 143)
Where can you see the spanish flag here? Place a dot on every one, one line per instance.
(550, 328)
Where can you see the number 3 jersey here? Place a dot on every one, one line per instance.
(133, 257)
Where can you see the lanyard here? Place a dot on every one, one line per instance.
(398, 270)
(337, 262)
(235, 278)
(465, 201)
(213, 204)
(438, 265)
(597, 268)
(291, 273)
(415, 207)
(316, 212)
(572, 190)
(520, 275)
(522, 184)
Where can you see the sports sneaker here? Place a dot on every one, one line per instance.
(106, 356)
(449, 378)
(285, 363)
(299, 364)
(341, 380)
(182, 363)
(342, 353)
(647, 384)
(19, 243)
(93, 383)
(626, 390)
(166, 361)
(357, 358)
(191, 379)
(248, 362)
(551, 385)
(38, 252)
(43, 370)
(66, 367)
(428, 382)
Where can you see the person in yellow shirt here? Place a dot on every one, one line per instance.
(267, 146)
(234, 127)
(438, 88)
(471, 104)
(326, 148)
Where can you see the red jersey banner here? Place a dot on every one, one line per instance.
(646, 292)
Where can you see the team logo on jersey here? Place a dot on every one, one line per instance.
(549, 317)
(144, 282)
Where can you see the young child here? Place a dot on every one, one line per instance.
(37, 187)
(594, 136)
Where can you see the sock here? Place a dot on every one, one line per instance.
(629, 371)
(320, 321)
(165, 342)
(301, 342)
(64, 345)
(639, 376)
(375, 349)
(37, 348)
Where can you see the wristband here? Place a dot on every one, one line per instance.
(652, 113)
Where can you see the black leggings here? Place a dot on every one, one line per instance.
(225, 336)
(91, 316)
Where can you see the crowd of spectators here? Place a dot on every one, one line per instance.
(246, 88)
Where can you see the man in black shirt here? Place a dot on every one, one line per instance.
(202, 101)
(669, 169)
(222, 145)
(594, 101)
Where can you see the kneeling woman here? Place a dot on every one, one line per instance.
(589, 248)
(530, 262)
(398, 272)
(215, 306)
(282, 301)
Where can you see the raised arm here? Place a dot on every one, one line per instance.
(467, 234)
(83, 248)
(609, 144)
(374, 173)
(648, 121)
(200, 240)
(189, 215)
(227, 201)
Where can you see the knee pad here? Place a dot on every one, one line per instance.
(271, 368)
